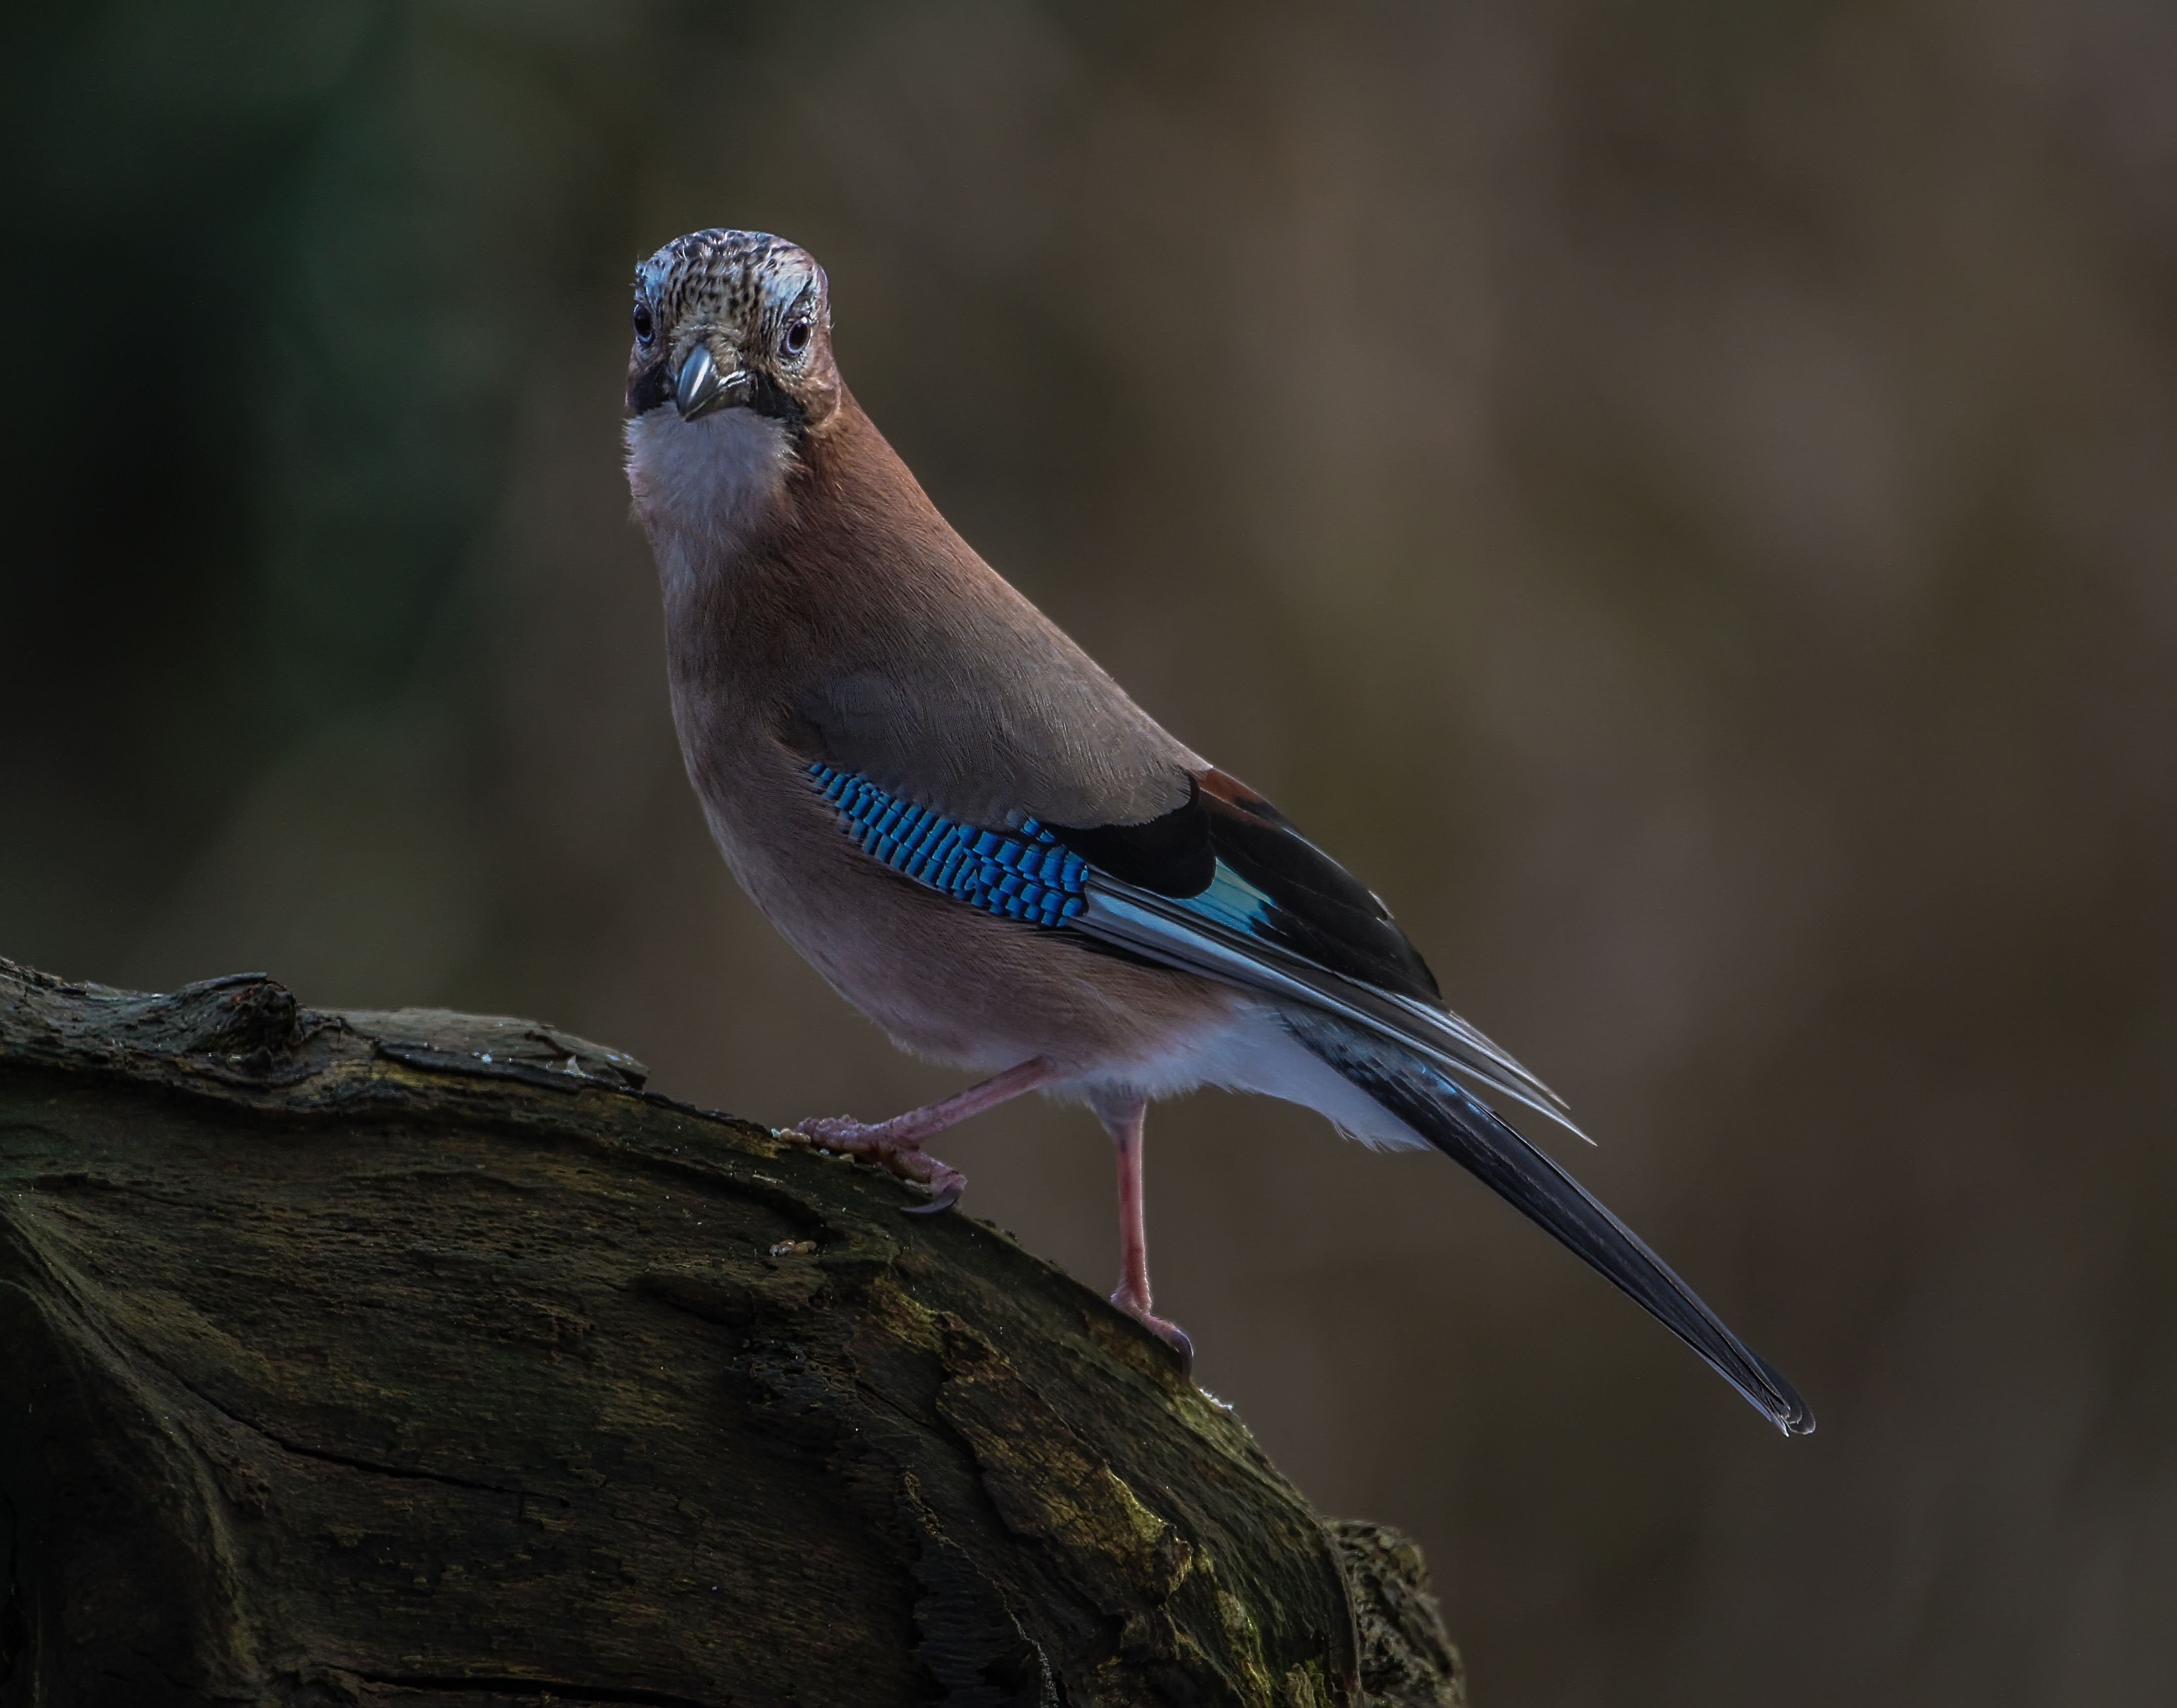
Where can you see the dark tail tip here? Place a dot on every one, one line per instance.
(1790, 1413)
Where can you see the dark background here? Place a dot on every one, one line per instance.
(1681, 496)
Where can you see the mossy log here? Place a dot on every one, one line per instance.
(422, 1358)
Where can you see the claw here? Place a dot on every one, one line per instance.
(1165, 1330)
(937, 1206)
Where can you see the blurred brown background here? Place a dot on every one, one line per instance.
(1681, 496)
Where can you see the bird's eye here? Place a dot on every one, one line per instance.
(795, 338)
(645, 329)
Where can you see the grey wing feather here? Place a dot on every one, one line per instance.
(1161, 928)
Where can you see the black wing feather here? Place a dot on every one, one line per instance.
(1320, 911)
(1223, 885)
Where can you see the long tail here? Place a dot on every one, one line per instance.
(1469, 1132)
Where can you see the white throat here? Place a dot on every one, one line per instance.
(701, 487)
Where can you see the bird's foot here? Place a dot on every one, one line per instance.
(1163, 1328)
(893, 1147)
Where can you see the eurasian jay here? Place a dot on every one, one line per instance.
(982, 844)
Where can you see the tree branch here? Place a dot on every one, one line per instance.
(418, 1357)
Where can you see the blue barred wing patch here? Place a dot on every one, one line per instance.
(1022, 873)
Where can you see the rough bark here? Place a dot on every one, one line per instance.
(424, 1358)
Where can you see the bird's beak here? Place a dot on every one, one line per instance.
(702, 388)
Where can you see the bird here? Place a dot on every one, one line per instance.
(980, 842)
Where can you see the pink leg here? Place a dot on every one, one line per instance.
(1125, 1125)
(898, 1143)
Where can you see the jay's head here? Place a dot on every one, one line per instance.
(733, 320)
